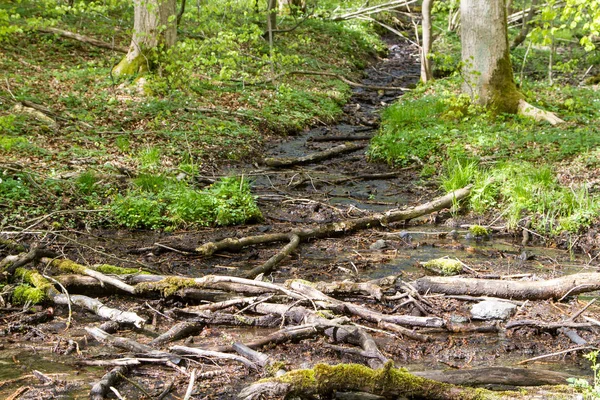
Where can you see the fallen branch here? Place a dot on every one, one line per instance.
(69, 266)
(178, 331)
(373, 9)
(82, 38)
(272, 262)
(196, 352)
(129, 345)
(314, 157)
(337, 228)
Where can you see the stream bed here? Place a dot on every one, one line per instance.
(308, 195)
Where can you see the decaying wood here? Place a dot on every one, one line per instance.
(129, 344)
(9, 264)
(178, 331)
(83, 39)
(404, 331)
(69, 266)
(314, 157)
(518, 290)
(102, 387)
(547, 325)
(338, 228)
(497, 376)
(388, 382)
(89, 303)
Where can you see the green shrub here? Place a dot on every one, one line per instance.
(167, 203)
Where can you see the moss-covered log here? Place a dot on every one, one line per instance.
(388, 382)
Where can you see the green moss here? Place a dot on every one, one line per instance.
(26, 294)
(505, 97)
(35, 279)
(444, 266)
(114, 270)
(68, 266)
(273, 368)
(167, 287)
(127, 67)
(478, 230)
(324, 379)
(12, 246)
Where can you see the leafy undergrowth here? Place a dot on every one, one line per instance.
(522, 170)
(217, 96)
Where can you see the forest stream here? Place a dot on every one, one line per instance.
(52, 354)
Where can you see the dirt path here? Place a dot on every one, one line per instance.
(308, 195)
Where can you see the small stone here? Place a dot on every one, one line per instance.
(493, 309)
(378, 245)
(405, 236)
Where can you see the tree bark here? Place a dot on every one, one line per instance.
(557, 288)
(487, 69)
(426, 42)
(155, 26)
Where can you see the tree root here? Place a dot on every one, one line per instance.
(538, 114)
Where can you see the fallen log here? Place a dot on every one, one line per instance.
(497, 376)
(388, 382)
(557, 288)
(82, 38)
(69, 266)
(178, 331)
(96, 306)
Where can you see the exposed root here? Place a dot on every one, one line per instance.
(537, 114)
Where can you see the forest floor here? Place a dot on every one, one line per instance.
(315, 194)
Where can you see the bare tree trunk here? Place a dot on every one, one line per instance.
(154, 26)
(426, 43)
(486, 61)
